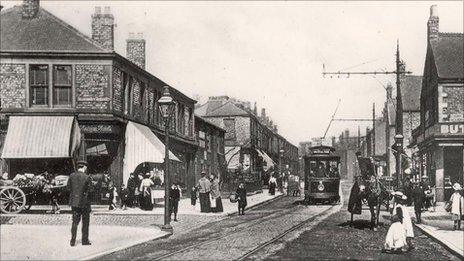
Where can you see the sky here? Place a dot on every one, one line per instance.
(272, 53)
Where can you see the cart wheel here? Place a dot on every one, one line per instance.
(12, 200)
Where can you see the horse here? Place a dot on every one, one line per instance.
(367, 188)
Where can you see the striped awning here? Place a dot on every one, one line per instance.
(268, 160)
(41, 137)
(142, 145)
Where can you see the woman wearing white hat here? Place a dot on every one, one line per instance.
(400, 200)
(457, 206)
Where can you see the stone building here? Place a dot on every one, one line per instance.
(252, 145)
(65, 95)
(440, 135)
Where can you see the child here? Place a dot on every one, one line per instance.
(193, 196)
(406, 218)
(112, 198)
(396, 235)
(241, 198)
(457, 206)
(174, 196)
(124, 196)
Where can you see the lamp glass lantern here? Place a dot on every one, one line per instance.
(166, 103)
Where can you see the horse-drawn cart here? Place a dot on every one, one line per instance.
(24, 190)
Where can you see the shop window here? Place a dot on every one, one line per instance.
(38, 80)
(62, 85)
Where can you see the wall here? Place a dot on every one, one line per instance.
(242, 129)
(92, 86)
(13, 85)
(118, 90)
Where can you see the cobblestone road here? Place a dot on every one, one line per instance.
(228, 238)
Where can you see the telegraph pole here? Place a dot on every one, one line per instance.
(399, 106)
(373, 129)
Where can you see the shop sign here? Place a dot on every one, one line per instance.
(98, 128)
(457, 128)
(456, 117)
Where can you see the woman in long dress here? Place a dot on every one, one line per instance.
(216, 195)
(272, 185)
(145, 190)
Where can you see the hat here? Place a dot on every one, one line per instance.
(203, 172)
(457, 186)
(398, 194)
(82, 163)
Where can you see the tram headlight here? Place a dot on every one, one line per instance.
(320, 187)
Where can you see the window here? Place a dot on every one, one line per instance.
(38, 80)
(62, 85)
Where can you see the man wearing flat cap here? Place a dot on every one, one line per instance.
(79, 185)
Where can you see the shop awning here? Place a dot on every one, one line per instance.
(142, 145)
(232, 155)
(269, 162)
(41, 137)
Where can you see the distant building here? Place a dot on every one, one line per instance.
(440, 136)
(252, 143)
(346, 147)
(410, 91)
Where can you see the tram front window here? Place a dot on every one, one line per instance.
(324, 169)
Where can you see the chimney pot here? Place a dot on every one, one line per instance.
(433, 11)
(107, 10)
(98, 9)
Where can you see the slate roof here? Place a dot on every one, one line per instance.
(411, 86)
(45, 32)
(448, 51)
(227, 109)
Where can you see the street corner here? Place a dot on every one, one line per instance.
(47, 242)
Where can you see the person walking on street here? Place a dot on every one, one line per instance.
(145, 188)
(457, 206)
(401, 204)
(204, 187)
(216, 194)
(241, 194)
(272, 185)
(79, 186)
(131, 188)
(418, 198)
(174, 197)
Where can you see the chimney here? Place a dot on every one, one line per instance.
(135, 49)
(432, 24)
(271, 124)
(255, 110)
(30, 8)
(347, 133)
(263, 114)
(103, 28)
(389, 91)
(275, 128)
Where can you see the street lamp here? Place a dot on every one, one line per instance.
(399, 151)
(166, 106)
(281, 153)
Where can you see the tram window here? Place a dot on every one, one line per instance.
(333, 171)
(312, 168)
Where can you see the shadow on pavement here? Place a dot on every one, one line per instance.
(360, 224)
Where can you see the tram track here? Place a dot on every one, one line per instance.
(247, 226)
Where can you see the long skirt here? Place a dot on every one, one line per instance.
(205, 203)
(218, 207)
(272, 188)
(146, 203)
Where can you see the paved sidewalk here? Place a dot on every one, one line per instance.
(185, 207)
(48, 242)
(438, 225)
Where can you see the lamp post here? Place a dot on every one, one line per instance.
(399, 151)
(166, 106)
(281, 153)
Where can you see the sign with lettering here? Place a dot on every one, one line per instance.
(321, 142)
(457, 128)
(98, 128)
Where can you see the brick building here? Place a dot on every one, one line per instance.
(440, 135)
(252, 144)
(210, 154)
(57, 81)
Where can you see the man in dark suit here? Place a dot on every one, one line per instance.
(79, 185)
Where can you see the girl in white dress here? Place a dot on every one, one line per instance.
(400, 200)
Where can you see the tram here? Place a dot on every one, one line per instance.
(322, 175)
